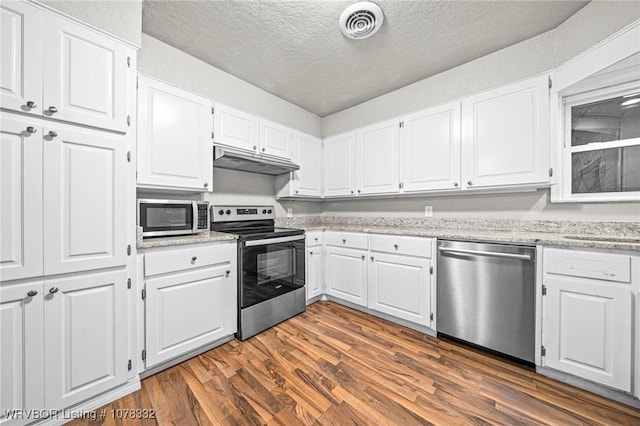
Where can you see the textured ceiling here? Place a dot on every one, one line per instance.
(295, 50)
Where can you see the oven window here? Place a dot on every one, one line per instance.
(271, 270)
(166, 217)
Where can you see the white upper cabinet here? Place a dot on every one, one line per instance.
(21, 57)
(21, 200)
(306, 151)
(275, 139)
(505, 136)
(85, 198)
(85, 76)
(174, 137)
(339, 165)
(377, 158)
(54, 67)
(235, 128)
(430, 149)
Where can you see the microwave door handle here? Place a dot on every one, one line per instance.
(194, 217)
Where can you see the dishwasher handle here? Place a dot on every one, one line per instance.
(485, 253)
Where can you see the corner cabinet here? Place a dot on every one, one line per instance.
(339, 164)
(175, 130)
(307, 182)
(377, 158)
(588, 316)
(505, 135)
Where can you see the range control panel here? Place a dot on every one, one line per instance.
(238, 213)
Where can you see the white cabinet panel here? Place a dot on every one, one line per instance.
(377, 159)
(189, 310)
(339, 165)
(21, 200)
(21, 349)
(85, 338)
(84, 200)
(309, 157)
(235, 128)
(315, 272)
(174, 137)
(275, 139)
(21, 57)
(430, 149)
(346, 274)
(600, 266)
(587, 330)
(505, 138)
(400, 286)
(85, 76)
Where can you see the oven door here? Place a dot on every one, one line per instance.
(270, 267)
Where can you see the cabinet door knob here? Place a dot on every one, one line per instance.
(469, 183)
(344, 241)
(372, 258)
(31, 104)
(455, 184)
(206, 184)
(316, 239)
(255, 147)
(53, 109)
(310, 252)
(395, 246)
(227, 272)
(363, 256)
(32, 293)
(52, 133)
(263, 149)
(194, 258)
(352, 191)
(53, 290)
(296, 191)
(31, 129)
(358, 191)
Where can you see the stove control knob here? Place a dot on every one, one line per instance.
(264, 212)
(220, 212)
(228, 211)
(269, 211)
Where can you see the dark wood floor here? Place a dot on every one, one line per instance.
(332, 366)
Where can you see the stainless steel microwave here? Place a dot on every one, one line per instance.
(172, 217)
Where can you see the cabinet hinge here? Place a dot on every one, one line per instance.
(128, 156)
(212, 135)
(399, 185)
(128, 283)
(550, 171)
(144, 354)
(550, 82)
(144, 293)
(213, 110)
(129, 120)
(544, 290)
(402, 124)
(129, 250)
(129, 365)
(128, 61)
(136, 82)
(431, 316)
(431, 270)
(543, 351)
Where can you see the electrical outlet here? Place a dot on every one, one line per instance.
(289, 212)
(428, 211)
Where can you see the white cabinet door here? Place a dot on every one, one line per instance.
(308, 180)
(235, 128)
(400, 286)
(587, 329)
(85, 339)
(377, 159)
(505, 139)
(21, 200)
(346, 274)
(85, 198)
(21, 57)
(174, 137)
(430, 149)
(85, 76)
(315, 272)
(275, 139)
(21, 350)
(339, 165)
(189, 310)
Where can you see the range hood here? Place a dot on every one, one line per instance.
(237, 159)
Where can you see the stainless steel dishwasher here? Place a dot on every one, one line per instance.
(486, 296)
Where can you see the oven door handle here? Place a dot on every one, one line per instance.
(267, 241)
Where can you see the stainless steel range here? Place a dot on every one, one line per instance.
(271, 266)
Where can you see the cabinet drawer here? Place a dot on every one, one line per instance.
(314, 238)
(601, 266)
(412, 246)
(346, 239)
(182, 259)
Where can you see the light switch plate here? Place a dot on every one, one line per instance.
(428, 211)
(289, 212)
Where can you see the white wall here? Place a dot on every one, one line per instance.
(121, 18)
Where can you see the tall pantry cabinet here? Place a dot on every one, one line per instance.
(67, 96)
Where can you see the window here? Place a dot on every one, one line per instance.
(601, 153)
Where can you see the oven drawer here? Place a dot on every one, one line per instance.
(182, 259)
(314, 238)
(411, 246)
(346, 239)
(600, 266)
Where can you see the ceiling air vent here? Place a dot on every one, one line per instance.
(361, 20)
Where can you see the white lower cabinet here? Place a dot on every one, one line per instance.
(193, 305)
(314, 266)
(346, 274)
(588, 322)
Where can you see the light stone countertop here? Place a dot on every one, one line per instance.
(205, 237)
